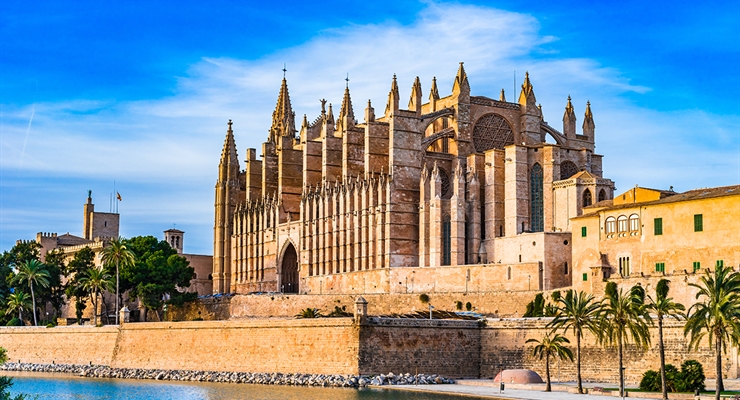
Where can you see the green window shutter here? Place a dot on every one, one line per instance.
(660, 267)
(583, 231)
(697, 266)
(658, 223)
(698, 223)
(585, 276)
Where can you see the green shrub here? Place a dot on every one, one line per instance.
(468, 306)
(309, 313)
(458, 305)
(14, 322)
(692, 377)
(650, 381)
(424, 298)
(50, 325)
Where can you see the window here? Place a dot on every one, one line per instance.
(624, 266)
(660, 267)
(697, 266)
(622, 223)
(611, 225)
(698, 223)
(634, 223)
(508, 273)
(587, 198)
(446, 241)
(719, 264)
(583, 231)
(565, 268)
(658, 226)
(602, 195)
(536, 201)
(585, 277)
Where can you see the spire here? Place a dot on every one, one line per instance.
(461, 81)
(330, 115)
(569, 120)
(502, 97)
(229, 158)
(434, 93)
(369, 112)
(393, 96)
(415, 100)
(588, 122)
(283, 118)
(527, 98)
(346, 114)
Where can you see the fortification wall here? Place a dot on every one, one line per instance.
(503, 342)
(61, 345)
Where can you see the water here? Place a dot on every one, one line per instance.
(68, 387)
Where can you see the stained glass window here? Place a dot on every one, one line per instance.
(492, 132)
(567, 169)
(535, 198)
(446, 241)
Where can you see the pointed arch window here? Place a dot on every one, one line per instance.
(587, 198)
(446, 241)
(602, 195)
(535, 199)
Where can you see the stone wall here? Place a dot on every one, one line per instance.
(61, 345)
(503, 342)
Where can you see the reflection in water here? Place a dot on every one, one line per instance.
(66, 387)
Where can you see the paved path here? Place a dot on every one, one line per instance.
(485, 388)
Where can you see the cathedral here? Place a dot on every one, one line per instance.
(458, 193)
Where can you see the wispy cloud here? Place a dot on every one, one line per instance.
(178, 138)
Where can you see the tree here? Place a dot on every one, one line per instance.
(157, 273)
(578, 312)
(551, 346)
(119, 256)
(623, 317)
(17, 301)
(34, 273)
(663, 307)
(53, 294)
(22, 251)
(716, 314)
(76, 269)
(95, 281)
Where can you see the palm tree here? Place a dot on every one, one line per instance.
(551, 346)
(17, 301)
(623, 318)
(716, 314)
(95, 281)
(118, 255)
(34, 272)
(663, 307)
(577, 311)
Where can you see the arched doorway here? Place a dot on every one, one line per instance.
(289, 271)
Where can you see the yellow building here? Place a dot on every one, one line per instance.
(648, 233)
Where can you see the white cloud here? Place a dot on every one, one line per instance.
(179, 138)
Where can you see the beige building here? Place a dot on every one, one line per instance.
(202, 264)
(648, 233)
(454, 193)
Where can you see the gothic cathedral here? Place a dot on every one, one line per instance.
(459, 193)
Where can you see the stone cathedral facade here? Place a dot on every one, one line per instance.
(458, 193)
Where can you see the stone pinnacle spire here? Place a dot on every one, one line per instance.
(588, 122)
(434, 93)
(283, 118)
(502, 97)
(415, 100)
(569, 120)
(346, 113)
(461, 81)
(392, 98)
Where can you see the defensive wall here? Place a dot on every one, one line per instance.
(453, 348)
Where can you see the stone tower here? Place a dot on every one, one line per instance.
(227, 193)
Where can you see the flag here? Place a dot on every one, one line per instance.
(118, 196)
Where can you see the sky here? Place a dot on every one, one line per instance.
(135, 96)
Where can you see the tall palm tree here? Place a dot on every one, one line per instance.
(118, 255)
(716, 314)
(663, 307)
(95, 281)
(35, 274)
(623, 318)
(551, 346)
(17, 301)
(577, 311)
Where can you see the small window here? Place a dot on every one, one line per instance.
(624, 266)
(565, 268)
(720, 264)
(508, 273)
(585, 277)
(583, 231)
(660, 267)
(697, 266)
(611, 225)
(634, 223)
(698, 223)
(587, 198)
(658, 225)
(622, 223)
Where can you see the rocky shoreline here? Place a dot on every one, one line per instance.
(348, 381)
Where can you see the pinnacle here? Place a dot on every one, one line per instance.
(434, 93)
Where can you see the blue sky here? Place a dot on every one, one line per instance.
(139, 93)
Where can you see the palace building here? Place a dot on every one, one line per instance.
(457, 193)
